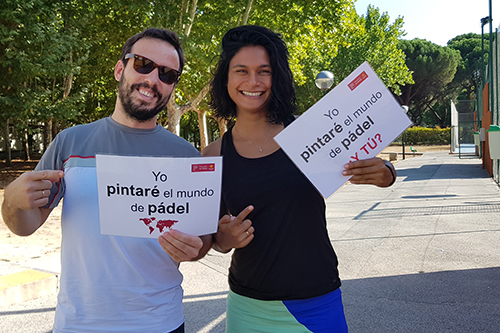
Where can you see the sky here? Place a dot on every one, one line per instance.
(437, 21)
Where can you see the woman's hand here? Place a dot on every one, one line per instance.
(373, 171)
(234, 231)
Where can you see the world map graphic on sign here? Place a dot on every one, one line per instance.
(160, 225)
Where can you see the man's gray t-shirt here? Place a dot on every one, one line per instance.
(110, 283)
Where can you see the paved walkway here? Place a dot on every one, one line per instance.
(421, 256)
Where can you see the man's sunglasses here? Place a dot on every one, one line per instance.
(144, 65)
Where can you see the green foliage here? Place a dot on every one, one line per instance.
(311, 31)
(465, 83)
(468, 75)
(427, 136)
(439, 114)
(371, 37)
(433, 68)
(103, 27)
(59, 56)
(333, 37)
(36, 52)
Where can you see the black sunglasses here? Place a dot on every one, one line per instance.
(144, 65)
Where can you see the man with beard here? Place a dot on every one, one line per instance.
(112, 283)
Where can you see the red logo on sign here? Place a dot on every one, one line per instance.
(161, 224)
(203, 167)
(358, 80)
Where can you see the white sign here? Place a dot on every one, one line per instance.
(147, 196)
(354, 121)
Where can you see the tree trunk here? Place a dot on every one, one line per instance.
(27, 155)
(47, 134)
(222, 126)
(202, 125)
(175, 112)
(184, 6)
(174, 116)
(67, 84)
(247, 12)
(192, 13)
(6, 141)
(55, 129)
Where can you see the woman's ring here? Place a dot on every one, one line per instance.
(247, 233)
(43, 194)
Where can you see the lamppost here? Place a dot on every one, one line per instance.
(405, 109)
(324, 80)
(484, 21)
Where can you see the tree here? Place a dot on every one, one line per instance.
(295, 19)
(82, 40)
(325, 34)
(466, 81)
(372, 38)
(36, 66)
(433, 68)
(198, 23)
(468, 74)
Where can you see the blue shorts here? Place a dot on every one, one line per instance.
(318, 314)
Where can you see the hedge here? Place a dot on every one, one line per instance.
(426, 136)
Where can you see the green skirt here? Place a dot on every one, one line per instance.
(319, 314)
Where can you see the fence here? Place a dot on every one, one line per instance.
(463, 127)
(488, 104)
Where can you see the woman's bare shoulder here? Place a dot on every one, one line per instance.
(213, 149)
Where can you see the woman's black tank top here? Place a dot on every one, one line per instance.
(291, 256)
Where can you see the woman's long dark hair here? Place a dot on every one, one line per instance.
(282, 101)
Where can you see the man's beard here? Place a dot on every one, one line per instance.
(135, 111)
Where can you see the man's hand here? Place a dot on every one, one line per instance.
(373, 171)
(183, 247)
(24, 198)
(31, 190)
(234, 231)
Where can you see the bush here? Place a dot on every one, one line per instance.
(427, 136)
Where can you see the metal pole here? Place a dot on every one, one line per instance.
(490, 66)
(497, 71)
(481, 85)
(403, 139)
(405, 109)
(482, 54)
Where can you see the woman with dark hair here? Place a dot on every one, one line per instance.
(282, 102)
(283, 275)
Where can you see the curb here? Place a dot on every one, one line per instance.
(26, 285)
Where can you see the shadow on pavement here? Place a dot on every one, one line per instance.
(453, 171)
(448, 301)
(400, 212)
(23, 312)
